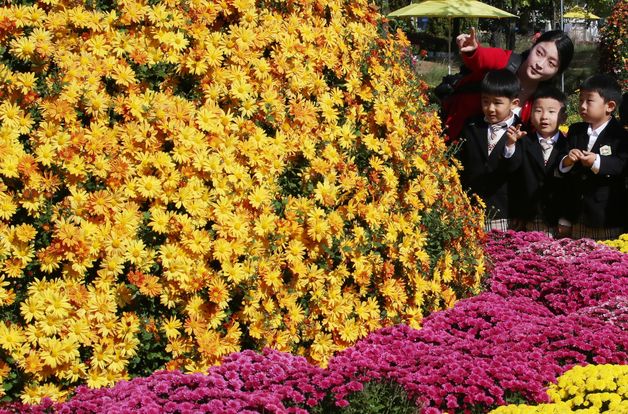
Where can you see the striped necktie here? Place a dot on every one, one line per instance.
(546, 144)
(494, 136)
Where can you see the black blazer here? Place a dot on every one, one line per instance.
(487, 176)
(536, 189)
(599, 198)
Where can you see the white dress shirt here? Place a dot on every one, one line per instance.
(552, 141)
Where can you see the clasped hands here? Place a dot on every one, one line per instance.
(586, 158)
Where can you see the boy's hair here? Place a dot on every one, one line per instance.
(551, 92)
(500, 82)
(605, 85)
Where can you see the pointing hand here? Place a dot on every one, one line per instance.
(467, 43)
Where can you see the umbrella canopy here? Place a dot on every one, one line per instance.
(579, 13)
(450, 9)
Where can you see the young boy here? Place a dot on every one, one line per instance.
(537, 187)
(487, 152)
(594, 166)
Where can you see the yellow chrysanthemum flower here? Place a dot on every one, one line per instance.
(23, 48)
(11, 338)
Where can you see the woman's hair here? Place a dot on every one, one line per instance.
(564, 45)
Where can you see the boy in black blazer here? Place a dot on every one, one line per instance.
(487, 152)
(595, 164)
(537, 186)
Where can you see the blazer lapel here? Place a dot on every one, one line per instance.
(553, 155)
(480, 136)
(556, 150)
(604, 138)
(599, 142)
(582, 140)
(535, 150)
(499, 148)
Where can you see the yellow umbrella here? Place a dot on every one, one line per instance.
(450, 9)
(578, 12)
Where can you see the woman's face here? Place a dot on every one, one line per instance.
(542, 62)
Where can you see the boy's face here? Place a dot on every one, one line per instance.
(497, 108)
(593, 109)
(547, 115)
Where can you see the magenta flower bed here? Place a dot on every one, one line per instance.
(562, 275)
(549, 305)
(246, 382)
(481, 352)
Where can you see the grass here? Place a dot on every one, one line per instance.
(432, 72)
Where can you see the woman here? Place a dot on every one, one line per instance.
(545, 60)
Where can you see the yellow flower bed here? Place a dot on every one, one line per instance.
(181, 180)
(621, 243)
(587, 389)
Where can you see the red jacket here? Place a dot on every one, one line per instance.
(466, 105)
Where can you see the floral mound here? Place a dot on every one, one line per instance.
(613, 45)
(550, 306)
(183, 180)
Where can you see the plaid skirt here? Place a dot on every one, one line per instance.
(538, 224)
(578, 231)
(499, 224)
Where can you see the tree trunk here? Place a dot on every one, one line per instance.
(512, 31)
(524, 21)
(455, 31)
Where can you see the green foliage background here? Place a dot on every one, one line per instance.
(614, 44)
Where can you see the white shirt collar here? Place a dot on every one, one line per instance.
(552, 139)
(510, 120)
(506, 123)
(517, 110)
(596, 132)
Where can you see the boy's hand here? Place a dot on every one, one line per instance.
(587, 158)
(467, 43)
(514, 134)
(572, 158)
